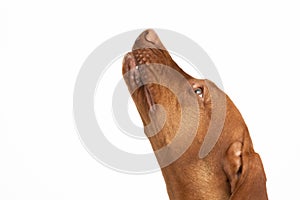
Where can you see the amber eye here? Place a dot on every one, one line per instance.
(199, 92)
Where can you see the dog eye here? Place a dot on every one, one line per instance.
(199, 92)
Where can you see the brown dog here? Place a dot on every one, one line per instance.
(199, 137)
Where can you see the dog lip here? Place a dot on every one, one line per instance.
(132, 70)
(133, 75)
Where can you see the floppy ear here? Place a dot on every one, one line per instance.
(245, 172)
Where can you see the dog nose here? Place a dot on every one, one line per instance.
(148, 39)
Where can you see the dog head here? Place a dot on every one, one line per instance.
(192, 125)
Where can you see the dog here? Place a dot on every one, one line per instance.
(199, 137)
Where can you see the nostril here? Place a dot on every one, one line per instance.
(151, 36)
(148, 39)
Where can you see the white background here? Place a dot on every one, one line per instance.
(254, 44)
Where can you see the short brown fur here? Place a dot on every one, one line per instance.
(232, 170)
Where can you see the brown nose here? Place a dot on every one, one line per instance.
(148, 39)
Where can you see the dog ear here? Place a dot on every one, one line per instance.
(245, 172)
(233, 164)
